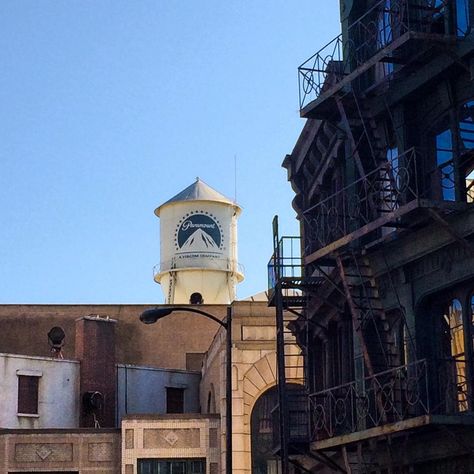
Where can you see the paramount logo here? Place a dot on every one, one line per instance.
(189, 224)
(199, 240)
(199, 233)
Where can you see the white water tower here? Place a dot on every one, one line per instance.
(198, 247)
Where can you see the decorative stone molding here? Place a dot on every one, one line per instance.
(40, 452)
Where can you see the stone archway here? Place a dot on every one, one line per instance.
(258, 379)
(255, 373)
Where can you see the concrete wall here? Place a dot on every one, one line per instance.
(143, 389)
(83, 451)
(58, 392)
(24, 329)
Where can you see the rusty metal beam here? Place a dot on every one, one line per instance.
(355, 318)
(357, 234)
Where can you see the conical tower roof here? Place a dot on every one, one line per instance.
(198, 191)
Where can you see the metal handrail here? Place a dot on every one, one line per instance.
(289, 262)
(224, 264)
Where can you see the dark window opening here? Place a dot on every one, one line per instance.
(196, 298)
(437, 12)
(28, 394)
(174, 400)
(211, 400)
(171, 466)
(264, 431)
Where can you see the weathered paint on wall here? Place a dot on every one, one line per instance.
(143, 389)
(58, 392)
(23, 330)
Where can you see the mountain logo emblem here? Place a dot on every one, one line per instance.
(198, 232)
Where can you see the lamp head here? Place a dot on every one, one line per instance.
(151, 316)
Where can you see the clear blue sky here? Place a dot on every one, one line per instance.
(109, 108)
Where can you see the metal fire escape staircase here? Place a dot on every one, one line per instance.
(289, 291)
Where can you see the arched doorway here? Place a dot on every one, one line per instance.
(263, 461)
(262, 435)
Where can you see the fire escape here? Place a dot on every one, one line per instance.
(345, 86)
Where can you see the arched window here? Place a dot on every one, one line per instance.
(264, 435)
(211, 400)
(453, 363)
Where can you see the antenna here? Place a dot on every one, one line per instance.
(235, 179)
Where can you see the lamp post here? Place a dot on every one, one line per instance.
(151, 316)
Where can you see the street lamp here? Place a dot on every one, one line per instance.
(151, 316)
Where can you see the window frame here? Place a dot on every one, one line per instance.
(28, 393)
(188, 464)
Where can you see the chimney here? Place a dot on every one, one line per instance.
(95, 349)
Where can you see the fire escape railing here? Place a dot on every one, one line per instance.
(377, 29)
(382, 191)
(391, 396)
(288, 261)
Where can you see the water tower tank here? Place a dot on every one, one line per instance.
(198, 247)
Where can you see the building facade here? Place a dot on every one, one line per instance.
(121, 399)
(383, 174)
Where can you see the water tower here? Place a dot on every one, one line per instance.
(198, 247)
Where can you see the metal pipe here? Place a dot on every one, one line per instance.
(228, 390)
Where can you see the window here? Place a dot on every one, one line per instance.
(28, 394)
(462, 17)
(444, 160)
(466, 143)
(454, 356)
(444, 339)
(171, 466)
(174, 400)
(452, 170)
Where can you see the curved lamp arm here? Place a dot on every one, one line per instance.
(151, 316)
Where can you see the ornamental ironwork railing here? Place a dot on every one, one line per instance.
(391, 396)
(384, 190)
(378, 28)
